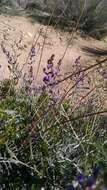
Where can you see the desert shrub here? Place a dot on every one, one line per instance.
(47, 150)
(50, 138)
(43, 146)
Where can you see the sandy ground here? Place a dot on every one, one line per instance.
(55, 43)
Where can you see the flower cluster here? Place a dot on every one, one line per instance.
(80, 79)
(83, 182)
(29, 79)
(103, 72)
(50, 79)
(51, 72)
(12, 51)
(32, 55)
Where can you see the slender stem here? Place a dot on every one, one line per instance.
(30, 49)
(85, 115)
(44, 42)
(75, 29)
(84, 70)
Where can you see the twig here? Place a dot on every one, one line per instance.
(84, 70)
(44, 43)
(75, 29)
(14, 161)
(65, 8)
(84, 115)
(83, 98)
(30, 50)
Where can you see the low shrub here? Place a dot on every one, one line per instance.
(49, 138)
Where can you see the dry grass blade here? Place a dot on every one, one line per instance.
(75, 29)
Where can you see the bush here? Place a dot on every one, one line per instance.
(43, 146)
(50, 138)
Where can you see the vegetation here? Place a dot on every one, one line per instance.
(49, 138)
(54, 139)
(50, 148)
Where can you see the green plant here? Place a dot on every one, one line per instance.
(48, 144)
(48, 137)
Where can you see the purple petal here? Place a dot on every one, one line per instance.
(105, 188)
(49, 66)
(80, 178)
(96, 171)
(91, 181)
(77, 61)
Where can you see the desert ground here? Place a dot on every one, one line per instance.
(56, 42)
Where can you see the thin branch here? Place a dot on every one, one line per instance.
(14, 159)
(84, 116)
(16, 162)
(44, 42)
(60, 16)
(83, 98)
(72, 87)
(75, 29)
(84, 70)
(30, 49)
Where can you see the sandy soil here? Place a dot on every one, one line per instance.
(55, 43)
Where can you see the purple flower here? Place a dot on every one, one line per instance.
(105, 188)
(80, 178)
(50, 79)
(77, 61)
(96, 171)
(56, 71)
(32, 56)
(59, 63)
(49, 66)
(91, 181)
(104, 74)
(4, 50)
(46, 79)
(10, 60)
(33, 52)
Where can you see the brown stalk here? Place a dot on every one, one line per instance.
(73, 86)
(74, 30)
(84, 70)
(30, 49)
(84, 116)
(44, 43)
(83, 98)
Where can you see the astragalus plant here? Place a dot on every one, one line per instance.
(49, 138)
